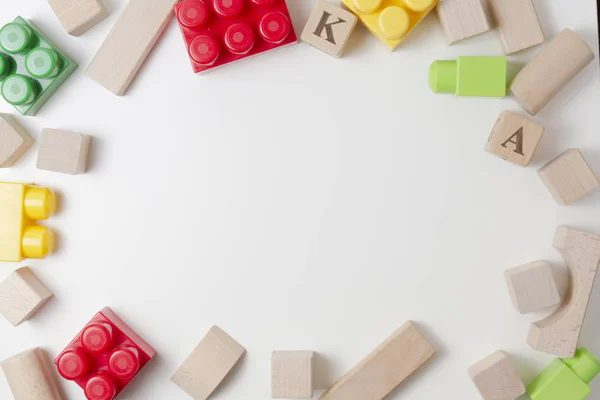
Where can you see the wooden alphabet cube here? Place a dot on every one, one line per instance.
(14, 140)
(29, 377)
(21, 295)
(518, 24)
(568, 177)
(532, 286)
(329, 27)
(63, 151)
(496, 379)
(291, 375)
(461, 19)
(77, 16)
(514, 138)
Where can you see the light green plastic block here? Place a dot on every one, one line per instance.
(469, 76)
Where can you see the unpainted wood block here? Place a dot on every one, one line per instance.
(77, 16)
(518, 23)
(386, 367)
(496, 379)
(329, 27)
(532, 286)
(514, 138)
(208, 364)
(129, 42)
(291, 375)
(550, 71)
(63, 151)
(461, 19)
(14, 140)
(568, 177)
(559, 333)
(21, 295)
(29, 377)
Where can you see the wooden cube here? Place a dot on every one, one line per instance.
(77, 16)
(514, 138)
(496, 379)
(461, 19)
(21, 295)
(29, 376)
(14, 140)
(328, 28)
(532, 286)
(63, 151)
(291, 375)
(568, 177)
(518, 24)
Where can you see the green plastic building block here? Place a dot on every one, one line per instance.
(566, 379)
(469, 76)
(31, 67)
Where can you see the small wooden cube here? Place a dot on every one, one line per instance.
(21, 295)
(568, 177)
(63, 151)
(496, 379)
(14, 140)
(461, 19)
(29, 376)
(532, 286)
(518, 24)
(291, 375)
(514, 138)
(77, 16)
(328, 28)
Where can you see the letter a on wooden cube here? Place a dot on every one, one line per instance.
(496, 379)
(21, 295)
(63, 151)
(29, 377)
(329, 27)
(291, 375)
(514, 138)
(532, 286)
(461, 19)
(14, 140)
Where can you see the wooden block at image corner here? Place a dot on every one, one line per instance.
(63, 151)
(568, 177)
(496, 379)
(514, 138)
(550, 71)
(291, 375)
(21, 295)
(518, 24)
(461, 19)
(532, 286)
(14, 140)
(29, 377)
(208, 364)
(77, 16)
(129, 43)
(384, 368)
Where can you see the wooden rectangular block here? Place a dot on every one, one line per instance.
(29, 377)
(532, 286)
(514, 138)
(63, 151)
(21, 295)
(518, 24)
(568, 177)
(461, 19)
(291, 375)
(129, 42)
(496, 379)
(77, 16)
(14, 140)
(208, 364)
(329, 27)
(384, 368)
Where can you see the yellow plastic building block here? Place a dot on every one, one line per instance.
(20, 206)
(390, 20)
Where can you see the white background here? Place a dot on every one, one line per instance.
(301, 202)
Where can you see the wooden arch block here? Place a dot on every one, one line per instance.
(29, 377)
(496, 379)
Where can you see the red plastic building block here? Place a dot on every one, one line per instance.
(104, 357)
(218, 32)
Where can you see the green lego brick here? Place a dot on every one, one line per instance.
(481, 76)
(31, 67)
(558, 382)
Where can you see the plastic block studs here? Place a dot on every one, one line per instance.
(390, 20)
(31, 67)
(14, 140)
(291, 375)
(532, 286)
(21, 295)
(104, 357)
(20, 206)
(496, 379)
(328, 28)
(469, 76)
(218, 32)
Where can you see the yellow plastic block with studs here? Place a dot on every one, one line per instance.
(390, 20)
(20, 206)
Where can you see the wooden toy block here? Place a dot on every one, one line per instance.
(518, 24)
(469, 76)
(14, 140)
(328, 28)
(514, 138)
(29, 377)
(21, 295)
(532, 286)
(77, 16)
(385, 368)
(291, 375)
(568, 177)
(129, 42)
(550, 71)
(208, 364)
(63, 151)
(496, 379)
(461, 19)
(559, 333)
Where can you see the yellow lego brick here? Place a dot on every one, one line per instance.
(390, 20)
(20, 206)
